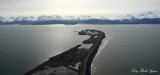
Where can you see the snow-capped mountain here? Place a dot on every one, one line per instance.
(22, 18)
(9, 19)
(43, 18)
(2, 19)
(130, 17)
(150, 17)
(47, 18)
(147, 15)
(6, 19)
(84, 17)
(101, 18)
(70, 18)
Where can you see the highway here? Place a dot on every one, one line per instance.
(86, 64)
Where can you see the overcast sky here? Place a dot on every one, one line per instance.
(76, 7)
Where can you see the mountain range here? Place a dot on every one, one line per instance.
(143, 18)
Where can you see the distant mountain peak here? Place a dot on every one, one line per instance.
(25, 18)
(129, 17)
(74, 19)
(148, 15)
(47, 18)
(70, 18)
(82, 17)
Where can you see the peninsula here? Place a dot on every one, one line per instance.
(75, 61)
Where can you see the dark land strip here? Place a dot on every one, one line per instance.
(71, 57)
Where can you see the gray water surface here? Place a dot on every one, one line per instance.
(23, 47)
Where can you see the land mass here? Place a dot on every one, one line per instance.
(87, 21)
(75, 61)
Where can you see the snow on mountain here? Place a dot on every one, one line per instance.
(70, 18)
(2, 19)
(9, 19)
(22, 18)
(43, 18)
(130, 17)
(6, 19)
(101, 17)
(147, 15)
(84, 17)
(47, 18)
(56, 17)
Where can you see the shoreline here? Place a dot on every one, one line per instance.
(71, 57)
(101, 47)
(93, 51)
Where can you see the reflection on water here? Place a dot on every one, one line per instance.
(132, 46)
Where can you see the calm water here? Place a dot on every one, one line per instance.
(131, 46)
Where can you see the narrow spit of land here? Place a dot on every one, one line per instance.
(75, 61)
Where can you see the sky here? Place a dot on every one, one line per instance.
(76, 7)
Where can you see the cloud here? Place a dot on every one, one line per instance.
(76, 7)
